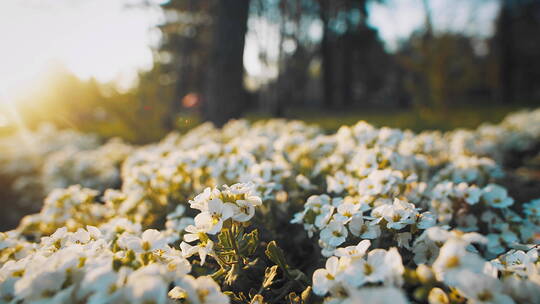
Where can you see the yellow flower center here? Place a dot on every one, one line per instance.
(146, 246)
(244, 209)
(215, 219)
(453, 262)
(202, 294)
(368, 269)
(485, 296)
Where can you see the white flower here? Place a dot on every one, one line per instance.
(522, 290)
(325, 279)
(201, 200)
(496, 196)
(443, 190)
(363, 229)
(243, 211)
(375, 295)
(202, 249)
(354, 252)
(398, 215)
(57, 239)
(516, 261)
(337, 182)
(371, 270)
(119, 225)
(202, 290)
(346, 211)
(394, 263)
(479, 288)
(532, 209)
(470, 193)
(101, 279)
(425, 251)
(150, 240)
(193, 233)
(426, 220)
(211, 220)
(81, 236)
(145, 287)
(424, 273)
(442, 235)
(334, 234)
(304, 182)
(453, 259)
(35, 284)
(324, 216)
(315, 202)
(94, 232)
(370, 186)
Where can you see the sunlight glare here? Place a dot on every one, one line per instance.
(101, 39)
(8, 112)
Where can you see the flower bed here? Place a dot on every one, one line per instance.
(279, 212)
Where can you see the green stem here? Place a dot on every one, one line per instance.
(216, 275)
(283, 292)
(234, 245)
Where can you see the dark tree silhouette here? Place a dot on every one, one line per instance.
(515, 48)
(225, 96)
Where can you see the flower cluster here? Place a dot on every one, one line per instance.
(341, 219)
(34, 163)
(117, 263)
(72, 208)
(455, 270)
(353, 267)
(364, 214)
(229, 206)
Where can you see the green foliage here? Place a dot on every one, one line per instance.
(136, 115)
(414, 119)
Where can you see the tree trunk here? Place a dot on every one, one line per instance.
(326, 54)
(225, 96)
(506, 57)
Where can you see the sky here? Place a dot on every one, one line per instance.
(92, 38)
(104, 40)
(397, 19)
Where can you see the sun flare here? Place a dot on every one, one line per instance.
(101, 39)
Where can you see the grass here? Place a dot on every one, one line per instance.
(416, 120)
(413, 119)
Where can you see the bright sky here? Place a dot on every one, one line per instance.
(98, 38)
(397, 19)
(103, 39)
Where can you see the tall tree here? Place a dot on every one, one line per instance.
(225, 96)
(514, 49)
(291, 54)
(184, 51)
(347, 49)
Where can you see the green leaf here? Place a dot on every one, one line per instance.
(252, 243)
(294, 298)
(306, 294)
(232, 275)
(257, 299)
(275, 254)
(269, 276)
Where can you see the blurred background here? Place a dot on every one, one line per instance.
(138, 69)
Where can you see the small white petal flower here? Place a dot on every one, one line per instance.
(354, 252)
(334, 234)
(202, 290)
